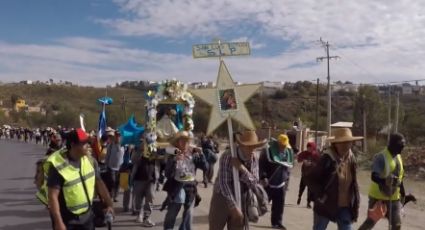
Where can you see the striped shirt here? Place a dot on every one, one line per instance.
(224, 181)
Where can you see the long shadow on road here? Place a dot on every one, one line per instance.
(23, 213)
(29, 226)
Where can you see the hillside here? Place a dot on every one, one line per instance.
(63, 104)
(281, 109)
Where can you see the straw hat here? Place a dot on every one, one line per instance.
(249, 138)
(110, 131)
(180, 135)
(343, 135)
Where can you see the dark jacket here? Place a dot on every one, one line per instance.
(322, 180)
(275, 173)
(144, 170)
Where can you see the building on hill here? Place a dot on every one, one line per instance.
(346, 87)
(36, 109)
(198, 85)
(270, 88)
(407, 89)
(26, 82)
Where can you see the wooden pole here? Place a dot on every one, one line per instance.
(316, 135)
(389, 113)
(364, 130)
(397, 112)
(235, 171)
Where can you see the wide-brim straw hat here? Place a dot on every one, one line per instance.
(343, 135)
(249, 138)
(180, 135)
(110, 131)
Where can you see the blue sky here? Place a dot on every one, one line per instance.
(100, 42)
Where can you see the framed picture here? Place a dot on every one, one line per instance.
(228, 100)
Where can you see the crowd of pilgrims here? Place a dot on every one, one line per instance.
(264, 168)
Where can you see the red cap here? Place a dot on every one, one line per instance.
(77, 136)
(82, 136)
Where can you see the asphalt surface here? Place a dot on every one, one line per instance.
(19, 209)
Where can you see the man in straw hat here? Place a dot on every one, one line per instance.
(387, 190)
(333, 183)
(276, 162)
(224, 209)
(181, 185)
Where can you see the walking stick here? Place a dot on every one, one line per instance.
(235, 172)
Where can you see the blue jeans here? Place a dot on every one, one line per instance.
(173, 211)
(343, 220)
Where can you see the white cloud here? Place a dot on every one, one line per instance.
(101, 62)
(343, 22)
(378, 40)
(252, 44)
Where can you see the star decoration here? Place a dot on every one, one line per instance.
(227, 100)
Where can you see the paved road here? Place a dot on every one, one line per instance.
(19, 210)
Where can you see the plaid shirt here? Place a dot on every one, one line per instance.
(224, 183)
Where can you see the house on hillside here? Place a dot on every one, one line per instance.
(36, 109)
(407, 89)
(67, 83)
(345, 87)
(270, 88)
(197, 85)
(26, 82)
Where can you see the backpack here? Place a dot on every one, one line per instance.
(255, 203)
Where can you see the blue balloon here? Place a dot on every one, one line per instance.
(131, 132)
(105, 100)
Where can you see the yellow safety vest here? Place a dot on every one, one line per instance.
(390, 166)
(77, 182)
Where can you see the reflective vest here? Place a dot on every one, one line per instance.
(79, 184)
(390, 167)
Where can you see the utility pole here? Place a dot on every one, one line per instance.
(397, 111)
(364, 126)
(329, 118)
(389, 113)
(317, 113)
(123, 107)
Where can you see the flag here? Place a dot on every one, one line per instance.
(102, 123)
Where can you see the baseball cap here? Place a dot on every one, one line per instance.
(283, 139)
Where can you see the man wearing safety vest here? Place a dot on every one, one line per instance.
(387, 188)
(71, 184)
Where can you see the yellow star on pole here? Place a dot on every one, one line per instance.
(227, 100)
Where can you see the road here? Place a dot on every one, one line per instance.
(19, 210)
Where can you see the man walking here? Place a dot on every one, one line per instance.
(333, 182)
(73, 178)
(224, 209)
(310, 157)
(275, 165)
(387, 183)
(113, 160)
(143, 177)
(180, 185)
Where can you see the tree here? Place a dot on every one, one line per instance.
(14, 98)
(280, 94)
(369, 101)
